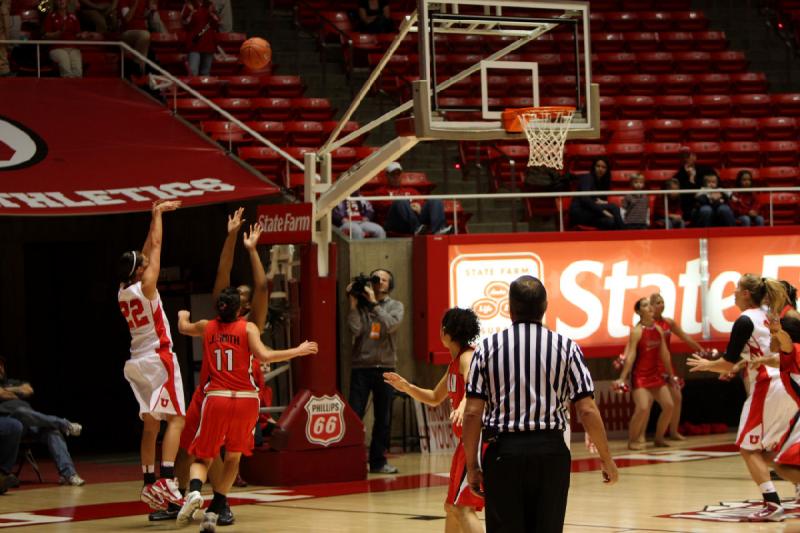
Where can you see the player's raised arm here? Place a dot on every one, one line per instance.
(223, 278)
(189, 328)
(274, 356)
(260, 298)
(153, 246)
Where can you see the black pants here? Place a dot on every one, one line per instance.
(402, 219)
(526, 478)
(364, 381)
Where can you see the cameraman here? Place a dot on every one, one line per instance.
(374, 319)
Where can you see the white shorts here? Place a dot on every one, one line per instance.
(766, 416)
(789, 453)
(157, 385)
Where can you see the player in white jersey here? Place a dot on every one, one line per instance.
(152, 371)
(768, 409)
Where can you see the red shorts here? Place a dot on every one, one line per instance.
(652, 380)
(458, 492)
(192, 419)
(225, 421)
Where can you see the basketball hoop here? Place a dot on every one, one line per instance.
(546, 129)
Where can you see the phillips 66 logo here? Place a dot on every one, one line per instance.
(325, 423)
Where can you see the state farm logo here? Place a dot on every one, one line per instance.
(285, 223)
(495, 301)
(20, 146)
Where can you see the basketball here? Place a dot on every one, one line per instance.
(255, 53)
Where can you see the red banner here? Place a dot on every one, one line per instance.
(285, 223)
(75, 147)
(593, 284)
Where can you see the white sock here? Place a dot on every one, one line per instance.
(767, 487)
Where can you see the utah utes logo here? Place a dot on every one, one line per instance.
(20, 147)
(164, 402)
(325, 423)
(754, 439)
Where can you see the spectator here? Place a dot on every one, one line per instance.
(411, 217)
(135, 26)
(64, 26)
(355, 218)
(374, 319)
(595, 210)
(674, 216)
(711, 204)
(5, 34)
(11, 431)
(201, 21)
(636, 207)
(47, 428)
(100, 16)
(374, 16)
(690, 177)
(745, 205)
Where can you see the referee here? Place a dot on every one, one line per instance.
(523, 376)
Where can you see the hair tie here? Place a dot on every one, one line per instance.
(133, 267)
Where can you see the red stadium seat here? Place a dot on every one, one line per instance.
(739, 129)
(786, 104)
(342, 159)
(304, 133)
(779, 153)
(693, 62)
(656, 21)
(243, 86)
(689, 21)
(265, 160)
(208, 86)
(780, 176)
(641, 84)
(608, 107)
(785, 207)
(610, 84)
(708, 153)
(418, 181)
(349, 127)
(171, 20)
(702, 129)
(621, 179)
(729, 61)
(625, 131)
(227, 134)
(230, 42)
(597, 21)
(193, 109)
(621, 21)
(710, 41)
(240, 108)
(749, 82)
(636, 5)
(166, 42)
(777, 128)
(681, 84)
(663, 155)
(226, 65)
(173, 63)
(676, 41)
(712, 105)
(333, 27)
(500, 167)
(579, 157)
(641, 41)
(656, 62)
(271, 130)
(474, 44)
(664, 130)
(654, 179)
(635, 107)
(727, 176)
(277, 109)
(751, 105)
(313, 109)
(550, 85)
(713, 83)
(741, 154)
(608, 42)
(675, 106)
(285, 86)
(619, 63)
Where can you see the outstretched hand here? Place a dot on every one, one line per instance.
(697, 363)
(251, 239)
(307, 348)
(235, 220)
(162, 206)
(397, 381)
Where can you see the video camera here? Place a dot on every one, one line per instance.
(358, 288)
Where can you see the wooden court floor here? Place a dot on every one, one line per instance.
(685, 478)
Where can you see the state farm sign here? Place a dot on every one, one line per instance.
(285, 223)
(593, 285)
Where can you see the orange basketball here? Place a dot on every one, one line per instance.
(255, 53)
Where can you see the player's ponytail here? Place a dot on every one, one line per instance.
(776, 295)
(228, 303)
(462, 325)
(128, 263)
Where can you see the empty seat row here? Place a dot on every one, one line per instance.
(700, 129)
(297, 133)
(709, 106)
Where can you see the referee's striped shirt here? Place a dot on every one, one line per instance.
(526, 374)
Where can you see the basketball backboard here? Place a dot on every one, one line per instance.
(479, 57)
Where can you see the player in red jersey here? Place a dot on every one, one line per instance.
(459, 329)
(254, 307)
(152, 371)
(230, 407)
(646, 347)
(669, 326)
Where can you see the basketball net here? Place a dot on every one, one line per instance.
(546, 129)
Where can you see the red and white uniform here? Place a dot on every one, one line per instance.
(648, 370)
(152, 370)
(664, 325)
(458, 492)
(768, 410)
(230, 409)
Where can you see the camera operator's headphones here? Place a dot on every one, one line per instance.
(391, 276)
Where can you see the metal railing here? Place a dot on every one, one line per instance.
(560, 195)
